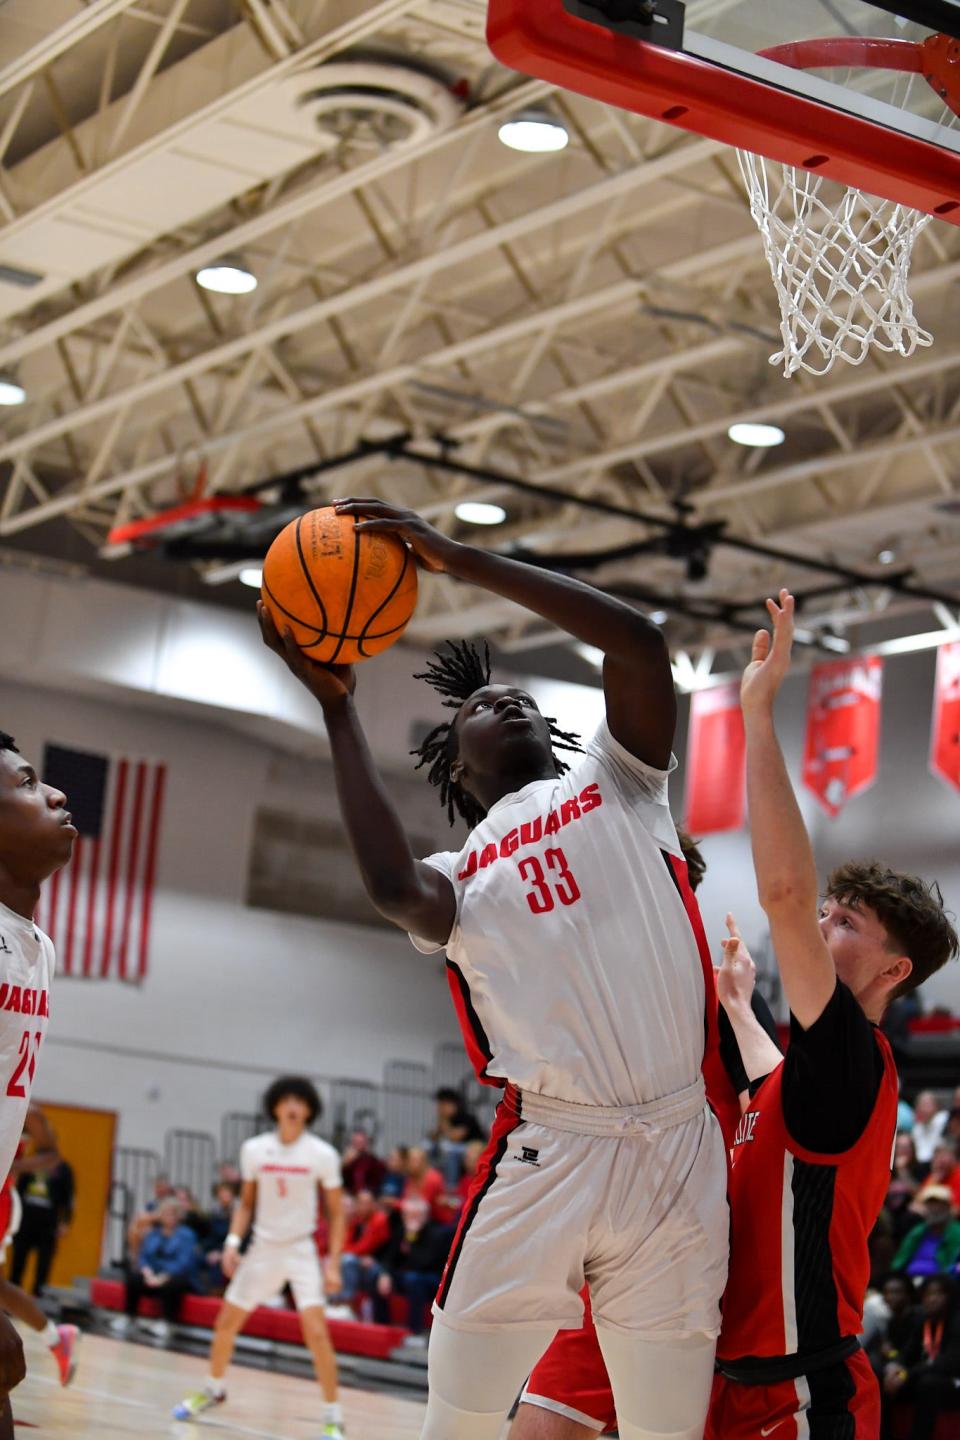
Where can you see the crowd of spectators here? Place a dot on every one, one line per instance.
(912, 1314)
(402, 1214)
(403, 1210)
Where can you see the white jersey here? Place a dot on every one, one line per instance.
(287, 1177)
(574, 968)
(27, 964)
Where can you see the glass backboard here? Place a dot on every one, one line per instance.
(866, 93)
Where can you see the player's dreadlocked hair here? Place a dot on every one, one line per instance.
(456, 674)
(7, 742)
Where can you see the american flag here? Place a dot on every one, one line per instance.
(97, 909)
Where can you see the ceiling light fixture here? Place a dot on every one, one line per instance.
(11, 393)
(251, 575)
(479, 512)
(886, 557)
(759, 436)
(534, 132)
(659, 617)
(227, 278)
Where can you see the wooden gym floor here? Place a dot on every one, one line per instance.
(124, 1390)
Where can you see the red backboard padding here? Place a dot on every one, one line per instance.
(541, 38)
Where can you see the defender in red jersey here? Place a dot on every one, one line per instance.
(812, 1152)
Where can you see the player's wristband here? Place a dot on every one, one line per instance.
(232, 1242)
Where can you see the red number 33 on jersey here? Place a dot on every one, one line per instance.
(560, 884)
(29, 1050)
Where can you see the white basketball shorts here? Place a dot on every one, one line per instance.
(631, 1199)
(269, 1265)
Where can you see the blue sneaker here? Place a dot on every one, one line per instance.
(197, 1403)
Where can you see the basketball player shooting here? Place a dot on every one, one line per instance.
(36, 839)
(579, 986)
(283, 1172)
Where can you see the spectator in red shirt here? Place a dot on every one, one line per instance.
(368, 1236)
(362, 1169)
(424, 1194)
(944, 1170)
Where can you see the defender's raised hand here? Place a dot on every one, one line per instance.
(770, 660)
(327, 683)
(737, 974)
(433, 551)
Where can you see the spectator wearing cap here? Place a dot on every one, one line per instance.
(929, 1123)
(933, 1246)
(362, 1169)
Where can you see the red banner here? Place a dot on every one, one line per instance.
(843, 729)
(945, 736)
(716, 761)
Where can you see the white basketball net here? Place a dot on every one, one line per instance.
(840, 270)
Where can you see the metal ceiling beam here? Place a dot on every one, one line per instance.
(59, 41)
(119, 297)
(601, 193)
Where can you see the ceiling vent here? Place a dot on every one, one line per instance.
(384, 102)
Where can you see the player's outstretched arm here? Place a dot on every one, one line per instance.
(637, 678)
(782, 853)
(411, 894)
(736, 980)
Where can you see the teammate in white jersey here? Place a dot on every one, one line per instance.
(579, 985)
(282, 1173)
(36, 839)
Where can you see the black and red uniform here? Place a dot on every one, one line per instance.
(810, 1169)
(811, 1165)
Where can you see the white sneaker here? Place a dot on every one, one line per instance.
(161, 1330)
(121, 1325)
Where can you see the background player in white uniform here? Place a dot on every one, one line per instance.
(282, 1173)
(36, 839)
(579, 984)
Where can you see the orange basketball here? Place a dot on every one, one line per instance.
(346, 596)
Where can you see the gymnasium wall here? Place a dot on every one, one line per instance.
(909, 819)
(233, 995)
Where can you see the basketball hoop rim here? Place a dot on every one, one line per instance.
(935, 58)
(544, 40)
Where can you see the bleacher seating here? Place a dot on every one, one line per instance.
(350, 1337)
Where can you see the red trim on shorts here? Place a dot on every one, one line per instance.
(506, 1120)
(844, 1401)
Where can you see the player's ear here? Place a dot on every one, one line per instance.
(896, 973)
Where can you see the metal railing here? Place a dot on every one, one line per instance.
(132, 1176)
(190, 1159)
